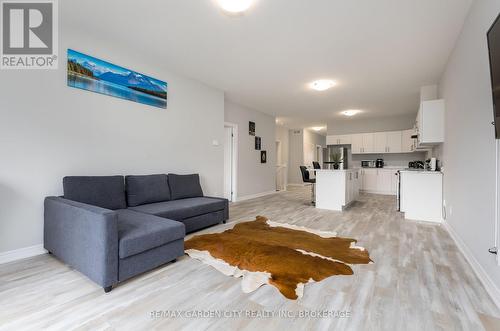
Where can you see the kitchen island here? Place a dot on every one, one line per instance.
(336, 189)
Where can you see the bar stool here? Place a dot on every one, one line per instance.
(306, 179)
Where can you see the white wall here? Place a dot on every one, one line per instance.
(469, 149)
(302, 152)
(49, 130)
(253, 177)
(391, 123)
(311, 140)
(295, 156)
(283, 137)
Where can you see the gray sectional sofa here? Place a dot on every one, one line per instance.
(112, 228)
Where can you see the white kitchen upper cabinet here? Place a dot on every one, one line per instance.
(407, 143)
(380, 142)
(394, 142)
(344, 139)
(357, 143)
(377, 142)
(367, 142)
(430, 122)
(331, 140)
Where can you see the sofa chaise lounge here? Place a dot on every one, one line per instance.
(112, 228)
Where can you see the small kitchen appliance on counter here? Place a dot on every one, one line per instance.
(431, 164)
(379, 163)
(368, 163)
(416, 165)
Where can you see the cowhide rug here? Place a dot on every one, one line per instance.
(285, 256)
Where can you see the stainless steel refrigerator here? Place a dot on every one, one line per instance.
(328, 153)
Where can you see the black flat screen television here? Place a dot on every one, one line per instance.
(494, 50)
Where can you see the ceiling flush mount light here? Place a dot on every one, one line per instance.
(351, 112)
(317, 128)
(322, 84)
(235, 6)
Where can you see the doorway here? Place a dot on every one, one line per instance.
(230, 160)
(280, 168)
(319, 154)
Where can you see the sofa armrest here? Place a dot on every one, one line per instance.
(226, 207)
(83, 236)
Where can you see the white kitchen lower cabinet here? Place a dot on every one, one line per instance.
(421, 197)
(379, 181)
(369, 180)
(335, 189)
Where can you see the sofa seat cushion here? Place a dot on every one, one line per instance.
(102, 191)
(184, 208)
(146, 189)
(138, 232)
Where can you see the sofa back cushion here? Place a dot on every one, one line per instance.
(102, 191)
(184, 186)
(146, 189)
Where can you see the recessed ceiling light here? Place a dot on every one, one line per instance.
(235, 6)
(322, 84)
(351, 112)
(317, 128)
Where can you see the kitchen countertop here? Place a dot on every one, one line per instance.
(421, 171)
(387, 168)
(338, 170)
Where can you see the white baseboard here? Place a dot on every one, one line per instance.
(297, 185)
(483, 276)
(377, 192)
(254, 196)
(21, 253)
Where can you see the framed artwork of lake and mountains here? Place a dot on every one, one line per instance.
(89, 73)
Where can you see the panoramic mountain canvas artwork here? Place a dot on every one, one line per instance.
(89, 73)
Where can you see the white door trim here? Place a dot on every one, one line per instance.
(320, 155)
(234, 180)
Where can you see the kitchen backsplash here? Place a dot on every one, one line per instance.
(390, 160)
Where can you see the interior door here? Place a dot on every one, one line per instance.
(228, 163)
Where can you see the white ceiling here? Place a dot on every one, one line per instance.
(379, 51)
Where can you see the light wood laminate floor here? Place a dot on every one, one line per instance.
(419, 281)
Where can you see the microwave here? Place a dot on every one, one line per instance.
(368, 164)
